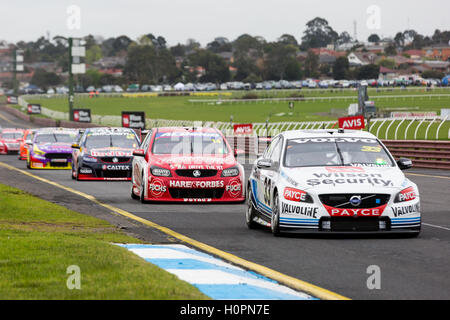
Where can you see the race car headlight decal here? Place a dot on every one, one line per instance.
(230, 172)
(407, 194)
(297, 195)
(160, 172)
(89, 159)
(38, 152)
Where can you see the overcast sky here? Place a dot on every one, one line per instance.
(203, 20)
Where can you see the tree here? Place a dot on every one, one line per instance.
(311, 65)
(277, 57)
(147, 64)
(374, 38)
(432, 74)
(93, 53)
(344, 38)
(318, 34)
(293, 70)
(340, 68)
(248, 46)
(399, 39)
(120, 44)
(220, 44)
(288, 39)
(370, 71)
(391, 50)
(216, 70)
(387, 63)
(44, 79)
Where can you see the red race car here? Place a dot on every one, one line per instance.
(191, 165)
(23, 148)
(10, 140)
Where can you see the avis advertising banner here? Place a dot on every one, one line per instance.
(133, 120)
(243, 128)
(82, 115)
(34, 108)
(352, 123)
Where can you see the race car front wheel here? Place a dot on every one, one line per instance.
(74, 175)
(142, 190)
(133, 196)
(275, 221)
(250, 213)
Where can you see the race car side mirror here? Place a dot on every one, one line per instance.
(139, 153)
(75, 146)
(29, 142)
(404, 163)
(264, 163)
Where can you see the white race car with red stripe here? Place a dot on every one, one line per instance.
(331, 181)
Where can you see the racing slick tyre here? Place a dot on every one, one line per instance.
(250, 212)
(133, 196)
(142, 190)
(74, 175)
(275, 220)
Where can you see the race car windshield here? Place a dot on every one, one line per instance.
(55, 137)
(12, 135)
(128, 141)
(336, 152)
(179, 143)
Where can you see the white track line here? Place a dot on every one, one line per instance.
(434, 226)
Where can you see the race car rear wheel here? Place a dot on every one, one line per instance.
(275, 220)
(250, 213)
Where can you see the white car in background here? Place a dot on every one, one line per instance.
(331, 181)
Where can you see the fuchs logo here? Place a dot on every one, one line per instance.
(292, 194)
(85, 171)
(157, 188)
(407, 195)
(234, 188)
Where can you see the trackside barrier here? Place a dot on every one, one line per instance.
(416, 128)
(423, 153)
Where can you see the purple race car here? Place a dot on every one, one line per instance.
(51, 148)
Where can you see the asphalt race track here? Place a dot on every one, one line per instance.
(411, 268)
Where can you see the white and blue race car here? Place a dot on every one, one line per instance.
(331, 181)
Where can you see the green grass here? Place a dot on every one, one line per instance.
(39, 240)
(179, 108)
(403, 126)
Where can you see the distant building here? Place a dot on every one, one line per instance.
(357, 59)
(387, 74)
(438, 53)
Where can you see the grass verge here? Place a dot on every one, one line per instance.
(40, 240)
